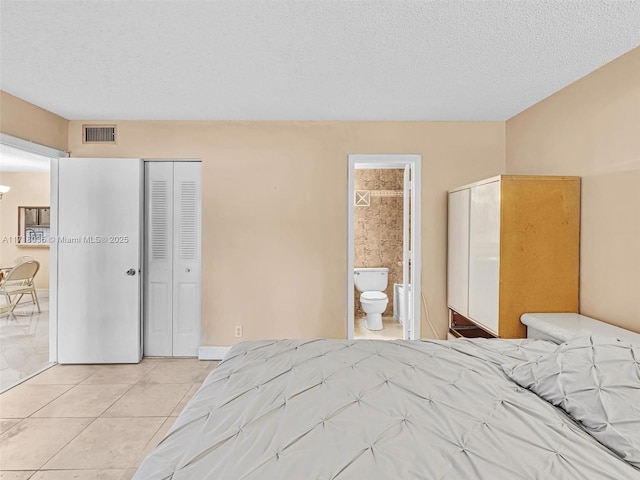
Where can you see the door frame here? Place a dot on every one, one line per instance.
(387, 161)
(53, 154)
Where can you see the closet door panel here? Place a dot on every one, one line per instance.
(158, 329)
(187, 258)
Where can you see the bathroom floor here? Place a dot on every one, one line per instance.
(391, 330)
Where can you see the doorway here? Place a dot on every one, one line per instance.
(27, 328)
(384, 206)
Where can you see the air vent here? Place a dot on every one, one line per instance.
(98, 134)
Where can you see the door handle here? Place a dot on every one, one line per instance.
(187, 270)
(131, 272)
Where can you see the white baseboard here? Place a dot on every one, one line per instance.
(212, 353)
(42, 293)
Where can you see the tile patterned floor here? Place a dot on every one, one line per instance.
(92, 421)
(24, 343)
(391, 330)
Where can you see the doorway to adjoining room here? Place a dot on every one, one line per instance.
(383, 267)
(25, 213)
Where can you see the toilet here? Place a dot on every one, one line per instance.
(371, 283)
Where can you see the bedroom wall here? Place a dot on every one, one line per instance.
(26, 189)
(592, 128)
(275, 211)
(29, 122)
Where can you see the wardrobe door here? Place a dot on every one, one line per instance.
(484, 255)
(458, 252)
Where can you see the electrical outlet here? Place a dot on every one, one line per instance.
(238, 331)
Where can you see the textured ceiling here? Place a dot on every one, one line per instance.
(304, 60)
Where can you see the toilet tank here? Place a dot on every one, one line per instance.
(371, 279)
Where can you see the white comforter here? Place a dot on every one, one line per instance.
(345, 409)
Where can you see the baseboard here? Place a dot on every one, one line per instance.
(42, 293)
(212, 353)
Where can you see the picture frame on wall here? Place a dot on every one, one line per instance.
(34, 225)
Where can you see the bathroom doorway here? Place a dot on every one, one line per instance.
(384, 225)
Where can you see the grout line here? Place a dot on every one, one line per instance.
(71, 387)
(61, 448)
(165, 418)
(182, 398)
(20, 420)
(139, 460)
(100, 415)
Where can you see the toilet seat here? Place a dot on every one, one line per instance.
(373, 296)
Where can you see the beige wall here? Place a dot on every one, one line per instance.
(275, 197)
(275, 211)
(276, 190)
(592, 128)
(29, 122)
(27, 189)
(24, 120)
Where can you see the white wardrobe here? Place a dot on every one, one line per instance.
(513, 248)
(172, 287)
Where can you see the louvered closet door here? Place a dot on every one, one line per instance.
(172, 281)
(186, 258)
(158, 292)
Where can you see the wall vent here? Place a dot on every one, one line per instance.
(98, 134)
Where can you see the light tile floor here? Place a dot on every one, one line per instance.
(391, 330)
(24, 343)
(93, 421)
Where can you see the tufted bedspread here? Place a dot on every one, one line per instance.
(368, 409)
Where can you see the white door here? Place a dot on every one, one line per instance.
(158, 270)
(406, 254)
(458, 252)
(186, 258)
(484, 255)
(173, 256)
(98, 242)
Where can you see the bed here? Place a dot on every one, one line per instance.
(373, 409)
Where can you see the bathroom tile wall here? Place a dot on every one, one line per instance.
(378, 227)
